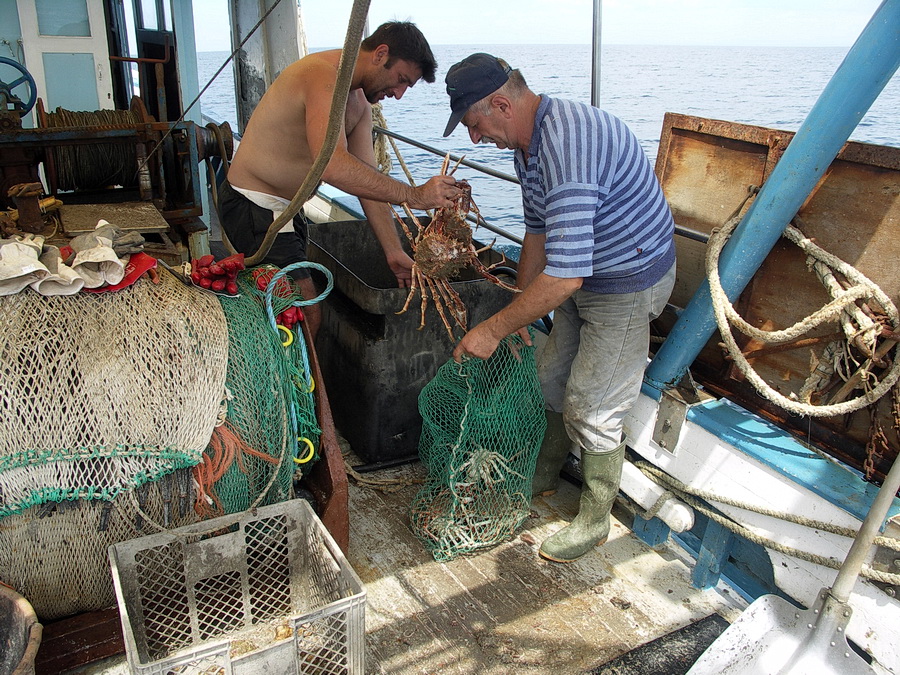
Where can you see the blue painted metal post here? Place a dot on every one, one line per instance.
(867, 68)
(653, 532)
(712, 556)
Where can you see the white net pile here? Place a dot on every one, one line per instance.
(55, 554)
(100, 393)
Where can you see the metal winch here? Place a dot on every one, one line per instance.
(118, 165)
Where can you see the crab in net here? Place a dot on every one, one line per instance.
(441, 250)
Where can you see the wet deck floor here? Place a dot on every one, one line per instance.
(506, 610)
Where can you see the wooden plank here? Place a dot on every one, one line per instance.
(705, 167)
(328, 478)
(137, 216)
(505, 609)
(80, 640)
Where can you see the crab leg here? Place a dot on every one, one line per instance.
(412, 241)
(483, 271)
(438, 303)
(458, 162)
(413, 218)
(451, 297)
(412, 290)
(423, 288)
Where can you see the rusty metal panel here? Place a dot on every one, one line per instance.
(705, 167)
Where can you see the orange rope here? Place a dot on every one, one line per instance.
(225, 446)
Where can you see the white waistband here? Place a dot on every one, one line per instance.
(273, 203)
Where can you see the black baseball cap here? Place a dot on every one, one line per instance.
(469, 81)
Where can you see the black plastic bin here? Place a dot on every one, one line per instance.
(375, 361)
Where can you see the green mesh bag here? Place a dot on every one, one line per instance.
(482, 426)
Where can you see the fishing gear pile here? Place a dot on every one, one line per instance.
(270, 429)
(483, 422)
(127, 413)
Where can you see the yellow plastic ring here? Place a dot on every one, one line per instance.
(311, 450)
(290, 336)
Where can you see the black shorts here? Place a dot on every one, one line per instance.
(246, 225)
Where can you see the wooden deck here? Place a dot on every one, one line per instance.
(507, 610)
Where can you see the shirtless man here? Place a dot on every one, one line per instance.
(287, 130)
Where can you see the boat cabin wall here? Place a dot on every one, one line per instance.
(275, 45)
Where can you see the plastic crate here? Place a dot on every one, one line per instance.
(263, 591)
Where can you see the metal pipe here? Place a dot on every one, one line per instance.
(673, 512)
(442, 153)
(870, 528)
(865, 71)
(595, 53)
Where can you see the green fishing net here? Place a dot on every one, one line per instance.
(483, 422)
(271, 409)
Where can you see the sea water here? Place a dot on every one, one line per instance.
(765, 86)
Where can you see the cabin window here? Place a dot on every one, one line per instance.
(63, 17)
(149, 18)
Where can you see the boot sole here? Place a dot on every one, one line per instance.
(547, 556)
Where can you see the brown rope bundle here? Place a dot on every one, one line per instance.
(94, 165)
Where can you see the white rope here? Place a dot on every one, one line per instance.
(726, 316)
(692, 497)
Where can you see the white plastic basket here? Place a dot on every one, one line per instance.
(266, 590)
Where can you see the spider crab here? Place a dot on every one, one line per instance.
(441, 250)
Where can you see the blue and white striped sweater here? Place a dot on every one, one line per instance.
(589, 187)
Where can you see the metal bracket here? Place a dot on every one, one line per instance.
(673, 406)
(887, 559)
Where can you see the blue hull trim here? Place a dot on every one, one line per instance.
(765, 442)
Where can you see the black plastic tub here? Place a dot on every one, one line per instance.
(375, 361)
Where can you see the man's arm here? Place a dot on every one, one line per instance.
(541, 296)
(532, 259)
(349, 173)
(359, 144)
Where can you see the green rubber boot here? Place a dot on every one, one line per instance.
(602, 473)
(552, 455)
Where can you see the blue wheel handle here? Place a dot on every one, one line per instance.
(23, 108)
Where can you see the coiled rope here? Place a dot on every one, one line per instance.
(92, 166)
(843, 307)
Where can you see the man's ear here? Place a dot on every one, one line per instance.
(381, 55)
(501, 104)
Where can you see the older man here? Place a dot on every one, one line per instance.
(287, 130)
(598, 252)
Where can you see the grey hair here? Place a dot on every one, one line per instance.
(514, 87)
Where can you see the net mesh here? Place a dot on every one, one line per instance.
(104, 392)
(55, 554)
(130, 412)
(483, 422)
(270, 406)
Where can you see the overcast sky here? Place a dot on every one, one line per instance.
(829, 23)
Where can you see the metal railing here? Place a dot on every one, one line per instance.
(680, 230)
(465, 162)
